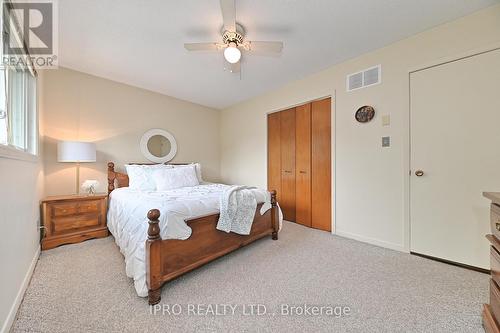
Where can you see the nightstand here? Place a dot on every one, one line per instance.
(73, 219)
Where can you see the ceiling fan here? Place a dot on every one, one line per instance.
(233, 40)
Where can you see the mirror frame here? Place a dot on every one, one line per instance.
(144, 145)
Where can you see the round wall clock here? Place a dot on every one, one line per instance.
(365, 114)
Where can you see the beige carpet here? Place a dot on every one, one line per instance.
(83, 288)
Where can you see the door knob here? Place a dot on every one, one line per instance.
(419, 173)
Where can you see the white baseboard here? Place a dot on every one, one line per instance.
(373, 241)
(20, 295)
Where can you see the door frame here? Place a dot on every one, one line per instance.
(333, 98)
(407, 161)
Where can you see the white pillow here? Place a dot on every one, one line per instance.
(172, 178)
(197, 167)
(140, 177)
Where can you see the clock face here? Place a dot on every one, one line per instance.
(365, 114)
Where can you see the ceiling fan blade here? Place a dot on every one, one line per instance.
(267, 47)
(202, 46)
(228, 14)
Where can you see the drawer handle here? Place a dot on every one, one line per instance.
(303, 172)
(497, 225)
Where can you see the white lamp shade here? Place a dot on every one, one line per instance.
(75, 151)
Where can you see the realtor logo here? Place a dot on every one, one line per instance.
(30, 33)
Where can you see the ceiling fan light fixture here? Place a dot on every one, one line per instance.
(233, 40)
(232, 53)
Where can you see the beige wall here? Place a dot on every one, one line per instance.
(114, 116)
(21, 188)
(20, 192)
(371, 182)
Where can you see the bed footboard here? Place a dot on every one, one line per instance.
(168, 259)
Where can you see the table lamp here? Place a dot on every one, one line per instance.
(76, 152)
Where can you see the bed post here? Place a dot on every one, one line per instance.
(111, 177)
(153, 258)
(274, 215)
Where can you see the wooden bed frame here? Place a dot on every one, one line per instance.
(168, 259)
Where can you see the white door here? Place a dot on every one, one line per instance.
(455, 141)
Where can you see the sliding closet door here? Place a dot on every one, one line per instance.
(274, 153)
(287, 137)
(303, 164)
(321, 217)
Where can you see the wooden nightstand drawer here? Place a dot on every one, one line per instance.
(495, 220)
(74, 223)
(89, 206)
(63, 209)
(494, 300)
(73, 208)
(495, 264)
(72, 219)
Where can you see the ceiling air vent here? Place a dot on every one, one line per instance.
(365, 78)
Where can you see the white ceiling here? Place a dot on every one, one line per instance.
(141, 42)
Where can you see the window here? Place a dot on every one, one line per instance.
(3, 108)
(18, 108)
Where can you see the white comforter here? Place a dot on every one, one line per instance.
(128, 222)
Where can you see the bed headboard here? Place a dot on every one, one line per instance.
(119, 179)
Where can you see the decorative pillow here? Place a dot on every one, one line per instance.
(172, 178)
(140, 177)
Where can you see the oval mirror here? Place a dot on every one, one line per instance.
(158, 146)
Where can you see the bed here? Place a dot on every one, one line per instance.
(163, 235)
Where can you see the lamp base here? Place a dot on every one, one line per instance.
(77, 178)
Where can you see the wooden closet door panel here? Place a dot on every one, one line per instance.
(321, 216)
(287, 197)
(274, 153)
(303, 164)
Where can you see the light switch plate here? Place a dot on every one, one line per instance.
(386, 120)
(386, 141)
